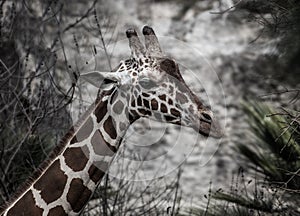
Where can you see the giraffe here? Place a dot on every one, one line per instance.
(148, 84)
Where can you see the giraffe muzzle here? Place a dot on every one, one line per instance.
(212, 128)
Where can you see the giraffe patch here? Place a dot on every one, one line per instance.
(109, 127)
(144, 112)
(101, 111)
(163, 108)
(58, 210)
(118, 107)
(99, 145)
(154, 104)
(146, 103)
(72, 156)
(95, 173)
(162, 97)
(85, 131)
(139, 101)
(52, 184)
(175, 112)
(22, 206)
(78, 194)
(145, 94)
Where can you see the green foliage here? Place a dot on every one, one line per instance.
(244, 198)
(276, 149)
(273, 152)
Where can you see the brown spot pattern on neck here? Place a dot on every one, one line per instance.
(52, 183)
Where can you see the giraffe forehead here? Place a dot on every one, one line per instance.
(137, 69)
(151, 73)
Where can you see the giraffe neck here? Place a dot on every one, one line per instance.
(74, 171)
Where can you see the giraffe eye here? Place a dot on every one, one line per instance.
(207, 117)
(147, 83)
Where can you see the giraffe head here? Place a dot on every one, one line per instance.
(154, 87)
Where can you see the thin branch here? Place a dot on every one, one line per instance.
(84, 16)
(228, 9)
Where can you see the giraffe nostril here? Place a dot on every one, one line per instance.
(207, 116)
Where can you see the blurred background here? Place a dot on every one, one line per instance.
(240, 57)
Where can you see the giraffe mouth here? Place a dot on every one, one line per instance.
(212, 129)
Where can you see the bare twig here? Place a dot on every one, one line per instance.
(228, 9)
(84, 16)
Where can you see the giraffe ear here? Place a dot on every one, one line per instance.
(98, 79)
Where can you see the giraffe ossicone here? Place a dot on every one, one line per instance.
(148, 84)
